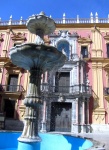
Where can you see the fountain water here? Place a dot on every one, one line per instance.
(37, 58)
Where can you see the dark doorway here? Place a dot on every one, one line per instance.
(62, 82)
(9, 108)
(60, 116)
(12, 83)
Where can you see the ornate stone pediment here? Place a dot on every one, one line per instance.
(11, 67)
(18, 36)
(83, 40)
(106, 37)
(106, 67)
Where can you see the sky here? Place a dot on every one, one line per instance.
(55, 8)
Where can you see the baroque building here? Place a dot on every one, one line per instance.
(75, 98)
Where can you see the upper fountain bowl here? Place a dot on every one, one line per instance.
(42, 23)
(38, 55)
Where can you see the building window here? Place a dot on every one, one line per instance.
(84, 51)
(64, 47)
(12, 83)
(62, 82)
(107, 50)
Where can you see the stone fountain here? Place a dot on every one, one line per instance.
(37, 58)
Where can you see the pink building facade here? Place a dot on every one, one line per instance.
(75, 97)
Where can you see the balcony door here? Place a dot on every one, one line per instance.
(61, 117)
(12, 83)
(62, 82)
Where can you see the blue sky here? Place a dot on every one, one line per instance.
(55, 8)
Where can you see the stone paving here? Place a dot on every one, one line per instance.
(101, 140)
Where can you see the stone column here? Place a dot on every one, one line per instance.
(43, 123)
(32, 102)
(81, 77)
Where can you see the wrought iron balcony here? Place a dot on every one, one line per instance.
(79, 89)
(11, 88)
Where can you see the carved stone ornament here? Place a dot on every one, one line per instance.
(106, 37)
(18, 37)
(13, 67)
(22, 111)
(63, 33)
(1, 39)
(106, 67)
(83, 40)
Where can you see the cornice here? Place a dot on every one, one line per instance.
(99, 59)
(75, 25)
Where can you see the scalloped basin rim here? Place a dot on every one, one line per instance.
(37, 47)
(31, 55)
(50, 141)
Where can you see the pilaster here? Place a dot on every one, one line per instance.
(99, 112)
(97, 44)
(6, 43)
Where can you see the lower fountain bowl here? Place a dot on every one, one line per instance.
(30, 55)
(8, 141)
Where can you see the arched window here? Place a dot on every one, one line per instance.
(64, 47)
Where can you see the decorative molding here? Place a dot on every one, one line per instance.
(106, 67)
(84, 40)
(106, 37)
(18, 37)
(107, 97)
(1, 39)
(99, 116)
(21, 111)
(10, 67)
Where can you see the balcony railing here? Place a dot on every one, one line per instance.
(106, 91)
(11, 88)
(62, 20)
(75, 89)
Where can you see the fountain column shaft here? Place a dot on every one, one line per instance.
(32, 100)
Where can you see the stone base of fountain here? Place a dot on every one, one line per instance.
(28, 146)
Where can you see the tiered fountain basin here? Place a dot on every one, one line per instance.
(8, 141)
(30, 55)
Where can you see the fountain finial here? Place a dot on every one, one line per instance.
(42, 22)
(42, 13)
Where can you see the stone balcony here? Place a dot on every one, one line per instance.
(75, 91)
(11, 91)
